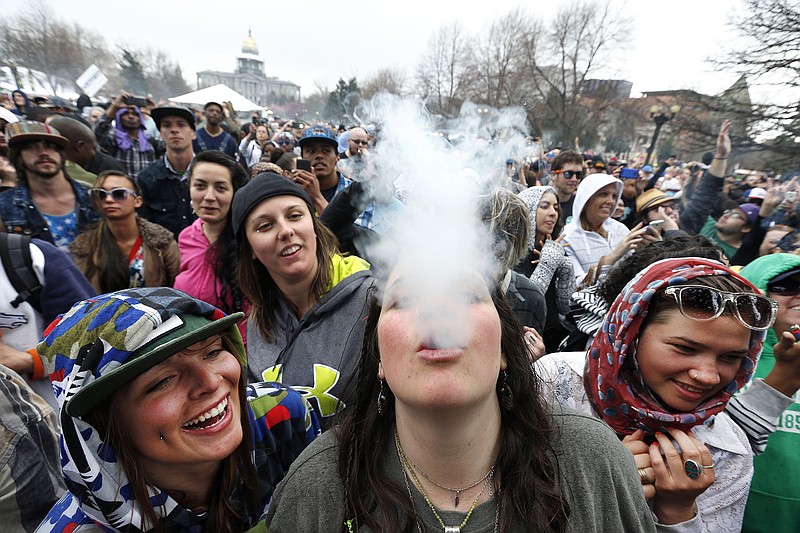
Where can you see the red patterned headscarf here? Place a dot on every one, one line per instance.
(615, 388)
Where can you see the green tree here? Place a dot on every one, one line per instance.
(343, 100)
(132, 73)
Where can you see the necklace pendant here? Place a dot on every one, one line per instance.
(452, 529)
(457, 499)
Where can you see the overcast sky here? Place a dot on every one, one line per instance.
(314, 42)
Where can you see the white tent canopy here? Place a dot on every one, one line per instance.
(217, 93)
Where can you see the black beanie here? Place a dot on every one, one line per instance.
(263, 186)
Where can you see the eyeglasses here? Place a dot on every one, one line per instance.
(733, 214)
(702, 303)
(118, 194)
(569, 174)
(359, 142)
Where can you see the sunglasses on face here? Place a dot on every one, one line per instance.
(569, 174)
(702, 303)
(118, 194)
(786, 287)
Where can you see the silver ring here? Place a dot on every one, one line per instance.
(709, 466)
(692, 468)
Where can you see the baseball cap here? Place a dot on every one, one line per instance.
(319, 132)
(105, 342)
(757, 192)
(29, 130)
(672, 184)
(647, 168)
(597, 162)
(159, 113)
(213, 103)
(751, 210)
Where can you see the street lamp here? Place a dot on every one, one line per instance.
(661, 115)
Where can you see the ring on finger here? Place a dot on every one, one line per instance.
(643, 477)
(704, 467)
(692, 468)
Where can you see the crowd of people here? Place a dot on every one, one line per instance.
(235, 339)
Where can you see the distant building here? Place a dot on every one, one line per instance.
(249, 79)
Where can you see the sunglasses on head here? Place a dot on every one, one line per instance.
(569, 174)
(118, 194)
(703, 303)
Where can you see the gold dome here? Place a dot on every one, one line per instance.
(249, 44)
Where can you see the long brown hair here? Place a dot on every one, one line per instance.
(527, 463)
(259, 287)
(108, 260)
(222, 254)
(224, 513)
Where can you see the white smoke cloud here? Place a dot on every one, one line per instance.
(440, 237)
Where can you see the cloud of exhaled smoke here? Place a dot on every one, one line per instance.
(440, 238)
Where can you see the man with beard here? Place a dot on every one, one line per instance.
(211, 136)
(163, 185)
(352, 161)
(46, 203)
(730, 229)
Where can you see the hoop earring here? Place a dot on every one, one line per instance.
(506, 394)
(382, 399)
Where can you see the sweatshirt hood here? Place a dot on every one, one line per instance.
(532, 196)
(588, 188)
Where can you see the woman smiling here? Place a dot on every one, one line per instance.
(677, 343)
(309, 302)
(593, 240)
(160, 431)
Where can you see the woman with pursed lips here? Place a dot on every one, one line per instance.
(449, 433)
(680, 339)
(309, 302)
(208, 247)
(122, 250)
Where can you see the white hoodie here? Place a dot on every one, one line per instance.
(587, 247)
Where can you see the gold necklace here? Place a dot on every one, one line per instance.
(457, 497)
(447, 529)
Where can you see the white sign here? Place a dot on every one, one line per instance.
(92, 80)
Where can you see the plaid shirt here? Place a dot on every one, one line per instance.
(365, 218)
(132, 159)
(30, 471)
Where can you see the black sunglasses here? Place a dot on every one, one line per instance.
(569, 174)
(118, 194)
(785, 287)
